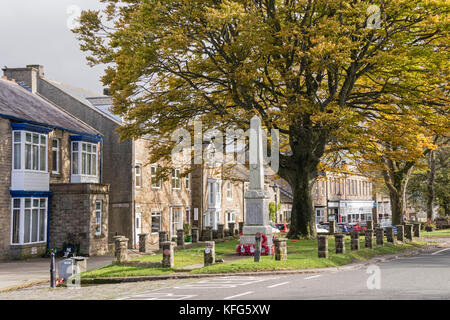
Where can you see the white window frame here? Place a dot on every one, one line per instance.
(176, 181)
(154, 171)
(229, 191)
(23, 143)
(188, 215)
(138, 176)
(22, 210)
(187, 182)
(211, 193)
(57, 150)
(100, 212)
(80, 152)
(156, 214)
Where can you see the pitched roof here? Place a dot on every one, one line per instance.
(18, 103)
(91, 99)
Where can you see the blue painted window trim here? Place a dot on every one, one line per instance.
(30, 194)
(85, 138)
(29, 127)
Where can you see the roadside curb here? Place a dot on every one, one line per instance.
(351, 266)
(24, 285)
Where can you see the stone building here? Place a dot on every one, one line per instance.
(118, 160)
(344, 198)
(51, 193)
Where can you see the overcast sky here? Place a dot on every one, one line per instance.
(37, 32)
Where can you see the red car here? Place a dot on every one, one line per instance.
(283, 227)
(358, 228)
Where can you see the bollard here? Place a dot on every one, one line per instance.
(180, 237)
(143, 238)
(120, 249)
(354, 242)
(257, 256)
(400, 232)
(52, 270)
(408, 232)
(332, 224)
(232, 227)
(416, 230)
(194, 235)
(370, 225)
(322, 244)
(209, 256)
(163, 237)
(339, 240)
(208, 234)
(369, 239)
(390, 237)
(168, 260)
(241, 227)
(280, 249)
(379, 233)
(220, 231)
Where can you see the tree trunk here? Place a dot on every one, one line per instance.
(397, 183)
(302, 215)
(430, 184)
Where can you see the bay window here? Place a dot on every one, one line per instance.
(29, 151)
(29, 220)
(84, 159)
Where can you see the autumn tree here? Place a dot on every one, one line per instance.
(312, 69)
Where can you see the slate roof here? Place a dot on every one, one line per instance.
(89, 98)
(17, 102)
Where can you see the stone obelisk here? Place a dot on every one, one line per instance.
(256, 198)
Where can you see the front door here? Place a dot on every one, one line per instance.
(176, 221)
(138, 226)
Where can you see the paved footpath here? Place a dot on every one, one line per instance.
(21, 273)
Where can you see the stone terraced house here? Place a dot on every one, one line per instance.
(51, 191)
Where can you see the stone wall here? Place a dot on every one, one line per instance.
(72, 217)
(5, 183)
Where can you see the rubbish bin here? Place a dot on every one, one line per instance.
(71, 266)
(65, 269)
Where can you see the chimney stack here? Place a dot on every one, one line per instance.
(29, 76)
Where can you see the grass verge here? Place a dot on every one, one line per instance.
(301, 255)
(436, 233)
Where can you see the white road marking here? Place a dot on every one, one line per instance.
(440, 251)
(238, 295)
(159, 296)
(312, 277)
(224, 282)
(276, 285)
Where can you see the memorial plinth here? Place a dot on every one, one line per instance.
(256, 198)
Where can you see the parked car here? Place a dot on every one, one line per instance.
(320, 228)
(283, 227)
(343, 227)
(358, 228)
(274, 228)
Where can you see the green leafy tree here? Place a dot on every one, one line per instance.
(273, 209)
(312, 69)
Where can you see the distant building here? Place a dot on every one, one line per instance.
(343, 198)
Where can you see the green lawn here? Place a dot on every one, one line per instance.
(436, 233)
(301, 255)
